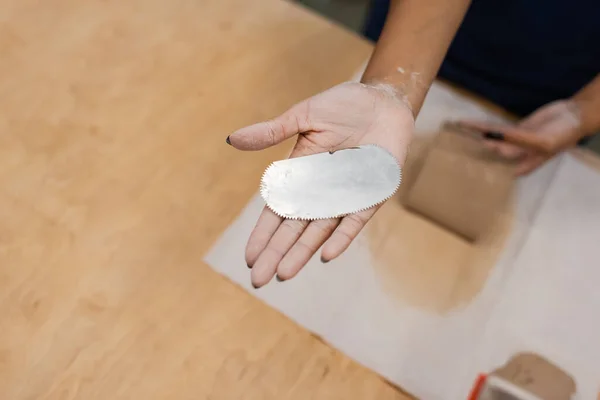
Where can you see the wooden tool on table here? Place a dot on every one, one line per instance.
(514, 135)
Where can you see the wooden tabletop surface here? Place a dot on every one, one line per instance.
(115, 179)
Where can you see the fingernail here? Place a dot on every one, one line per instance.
(255, 286)
(278, 278)
(249, 266)
(494, 136)
(324, 261)
(228, 141)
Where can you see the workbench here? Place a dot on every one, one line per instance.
(115, 179)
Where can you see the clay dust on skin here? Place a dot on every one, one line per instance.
(415, 77)
(405, 87)
(391, 91)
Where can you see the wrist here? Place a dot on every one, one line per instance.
(587, 113)
(394, 98)
(574, 118)
(407, 89)
(389, 90)
(587, 101)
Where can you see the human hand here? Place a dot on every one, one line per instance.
(548, 131)
(347, 115)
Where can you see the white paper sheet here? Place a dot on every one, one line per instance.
(551, 304)
(437, 356)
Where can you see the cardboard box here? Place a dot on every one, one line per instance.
(462, 185)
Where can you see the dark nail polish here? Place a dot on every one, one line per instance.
(324, 261)
(228, 141)
(278, 278)
(494, 136)
(249, 266)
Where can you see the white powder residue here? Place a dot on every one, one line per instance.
(391, 91)
(414, 78)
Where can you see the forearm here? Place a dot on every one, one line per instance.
(412, 46)
(587, 101)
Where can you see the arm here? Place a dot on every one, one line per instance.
(407, 58)
(587, 101)
(412, 46)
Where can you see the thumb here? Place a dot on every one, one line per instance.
(265, 134)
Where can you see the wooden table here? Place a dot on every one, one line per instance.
(115, 179)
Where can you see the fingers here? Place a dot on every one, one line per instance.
(487, 127)
(510, 134)
(506, 150)
(282, 240)
(530, 163)
(269, 133)
(349, 227)
(293, 243)
(266, 226)
(313, 237)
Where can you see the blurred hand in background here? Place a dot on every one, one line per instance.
(555, 127)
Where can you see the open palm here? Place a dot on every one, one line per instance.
(344, 116)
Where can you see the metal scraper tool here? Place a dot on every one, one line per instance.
(331, 184)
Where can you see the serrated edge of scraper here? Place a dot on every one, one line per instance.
(263, 189)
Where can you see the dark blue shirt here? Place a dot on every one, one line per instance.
(520, 54)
